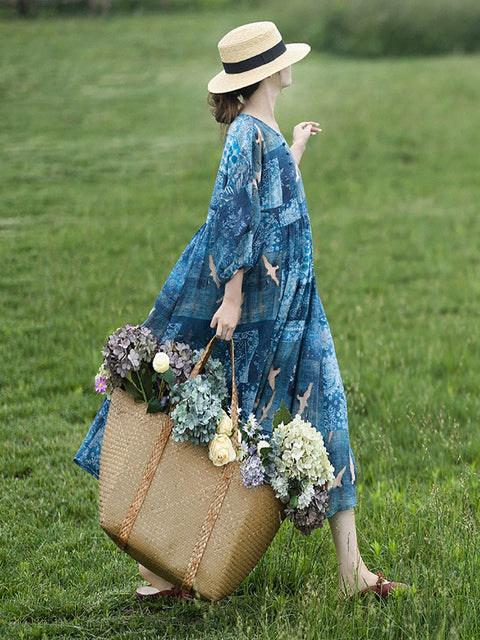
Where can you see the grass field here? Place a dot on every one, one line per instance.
(108, 156)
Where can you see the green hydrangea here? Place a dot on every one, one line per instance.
(214, 372)
(197, 412)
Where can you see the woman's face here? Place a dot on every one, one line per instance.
(286, 77)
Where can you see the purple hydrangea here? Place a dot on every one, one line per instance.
(180, 356)
(252, 471)
(128, 348)
(313, 516)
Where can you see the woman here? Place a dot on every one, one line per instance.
(248, 273)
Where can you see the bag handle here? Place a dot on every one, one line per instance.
(224, 479)
(199, 367)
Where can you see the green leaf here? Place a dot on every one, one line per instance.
(132, 390)
(145, 380)
(154, 405)
(264, 453)
(282, 415)
(169, 377)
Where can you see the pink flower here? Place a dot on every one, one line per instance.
(100, 384)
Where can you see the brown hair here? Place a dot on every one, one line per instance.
(225, 107)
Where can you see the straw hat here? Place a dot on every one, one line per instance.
(251, 53)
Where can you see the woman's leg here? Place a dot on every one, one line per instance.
(353, 575)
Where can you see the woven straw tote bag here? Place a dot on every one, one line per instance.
(167, 506)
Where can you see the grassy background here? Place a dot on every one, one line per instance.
(108, 161)
(375, 28)
(363, 28)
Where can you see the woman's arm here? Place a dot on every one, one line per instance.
(228, 314)
(301, 134)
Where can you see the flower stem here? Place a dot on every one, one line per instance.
(139, 386)
(162, 387)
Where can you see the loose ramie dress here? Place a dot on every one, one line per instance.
(258, 220)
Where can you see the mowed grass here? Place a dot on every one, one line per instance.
(108, 161)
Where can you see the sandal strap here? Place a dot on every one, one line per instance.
(381, 579)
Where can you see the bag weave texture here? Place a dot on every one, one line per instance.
(188, 521)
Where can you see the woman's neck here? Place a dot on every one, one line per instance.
(261, 104)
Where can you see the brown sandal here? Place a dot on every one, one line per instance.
(382, 589)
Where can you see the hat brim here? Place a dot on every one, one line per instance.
(225, 82)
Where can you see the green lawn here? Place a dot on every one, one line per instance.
(108, 157)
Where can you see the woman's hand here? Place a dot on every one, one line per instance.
(301, 134)
(228, 314)
(226, 319)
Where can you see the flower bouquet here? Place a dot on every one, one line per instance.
(294, 462)
(167, 494)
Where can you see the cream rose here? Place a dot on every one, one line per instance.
(161, 362)
(225, 425)
(220, 450)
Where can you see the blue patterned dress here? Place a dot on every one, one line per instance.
(258, 220)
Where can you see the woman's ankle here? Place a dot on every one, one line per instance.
(153, 579)
(354, 579)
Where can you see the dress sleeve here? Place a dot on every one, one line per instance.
(234, 213)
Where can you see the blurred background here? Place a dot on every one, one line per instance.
(354, 27)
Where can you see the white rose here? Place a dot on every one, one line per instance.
(220, 450)
(161, 362)
(225, 425)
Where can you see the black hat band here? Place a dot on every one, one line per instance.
(256, 61)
